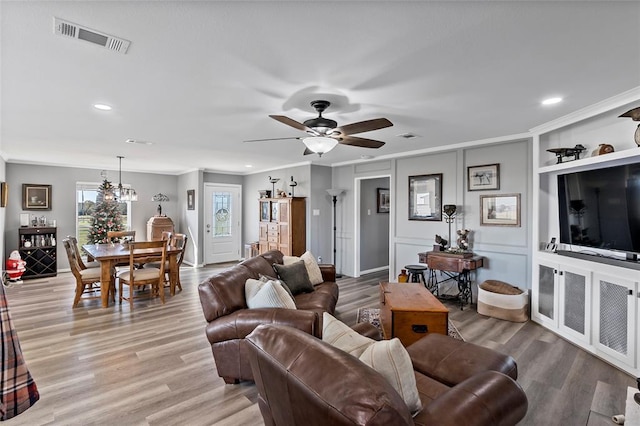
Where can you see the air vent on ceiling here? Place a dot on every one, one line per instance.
(69, 29)
(408, 135)
(139, 142)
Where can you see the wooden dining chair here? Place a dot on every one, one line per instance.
(175, 240)
(78, 254)
(87, 280)
(121, 236)
(140, 277)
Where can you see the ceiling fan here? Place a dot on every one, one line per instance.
(324, 133)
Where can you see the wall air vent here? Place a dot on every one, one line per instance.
(69, 29)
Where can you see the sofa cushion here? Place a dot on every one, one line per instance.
(265, 278)
(340, 335)
(315, 274)
(258, 265)
(269, 294)
(295, 277)
(221, 295)
(391, 359)
(387, 357)
(323, 299)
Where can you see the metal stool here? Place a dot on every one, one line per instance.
(415, 272)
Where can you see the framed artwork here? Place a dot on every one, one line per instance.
(500, 210)
(425, 199)
(383, 200)
(481, 178)
(36, 197)
(191, 199)
(4, 194)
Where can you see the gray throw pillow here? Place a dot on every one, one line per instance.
(265, 278)
(295, 277)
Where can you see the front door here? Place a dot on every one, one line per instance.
(223, 211)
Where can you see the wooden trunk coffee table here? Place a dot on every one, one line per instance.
(408, 311)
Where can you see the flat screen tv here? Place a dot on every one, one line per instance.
(600, 208)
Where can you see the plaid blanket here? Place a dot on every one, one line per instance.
(18, 390)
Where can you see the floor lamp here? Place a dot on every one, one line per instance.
(334, 195)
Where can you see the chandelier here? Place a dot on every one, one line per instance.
(124, 194)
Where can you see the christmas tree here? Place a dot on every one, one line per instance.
(106, 214)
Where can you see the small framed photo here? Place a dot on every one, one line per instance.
(36, 197)
(4, 194)
(425, 199)
(191, 199)
(500, 210)
(383, 200)
(481, 178)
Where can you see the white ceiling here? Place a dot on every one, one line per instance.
(200, 77)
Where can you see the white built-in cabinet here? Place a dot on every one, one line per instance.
(592, 304)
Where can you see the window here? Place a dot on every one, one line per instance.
(222, 214)
(86, 195)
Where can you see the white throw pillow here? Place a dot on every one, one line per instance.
(392, 361)
(343, 337)
(315, 274)
(268, 294)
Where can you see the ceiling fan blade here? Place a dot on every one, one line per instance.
(361, 142)
(272, 139)
(364, 126)
(307, 151)
(291, 122)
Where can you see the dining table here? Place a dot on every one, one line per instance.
(111, 254)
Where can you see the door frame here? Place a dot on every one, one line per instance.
(357, 189)
(206, 186)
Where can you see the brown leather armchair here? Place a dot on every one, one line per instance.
(303, 380)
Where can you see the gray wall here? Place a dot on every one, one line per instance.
(189, 220)
(63, 202)
(506, 248)
(374, 226)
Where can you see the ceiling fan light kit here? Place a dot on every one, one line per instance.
(325, 133)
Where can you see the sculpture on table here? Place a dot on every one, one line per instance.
(463, 239)
(442, 242)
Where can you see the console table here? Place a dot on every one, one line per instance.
(455, 267)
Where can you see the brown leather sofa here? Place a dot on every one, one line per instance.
(230, 321)
(303, 380)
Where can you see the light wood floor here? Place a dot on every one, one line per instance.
(153, 366)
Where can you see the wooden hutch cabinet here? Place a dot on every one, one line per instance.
(283, 225)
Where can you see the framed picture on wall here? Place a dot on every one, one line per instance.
(383, 200)
(481, 178)
(36, 197)
(425, 199)
(191, 199)
(4, 194)
(500, 210)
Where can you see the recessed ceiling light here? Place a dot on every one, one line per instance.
(102, 107)
(551, 101)
(248, 166)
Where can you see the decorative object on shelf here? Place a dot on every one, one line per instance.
(634, 114)
(485, 177)
(335, 193)
(449, 211)
(273, 182)
(191, 199)
(567, 152)
(265, 193)
(403, 277)
(424, 197)
(106, 215)
(383, 200)
(36, 197)
(441, 243)
(15, 267)
(500, 210)
(463, 239)
(292, 185)
(159, 198)
(603, 148)
(124, 194)
(24, 219)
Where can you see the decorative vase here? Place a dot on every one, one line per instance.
(403, 277)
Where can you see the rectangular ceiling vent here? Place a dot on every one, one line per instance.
(408, 135)
(69, 29)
